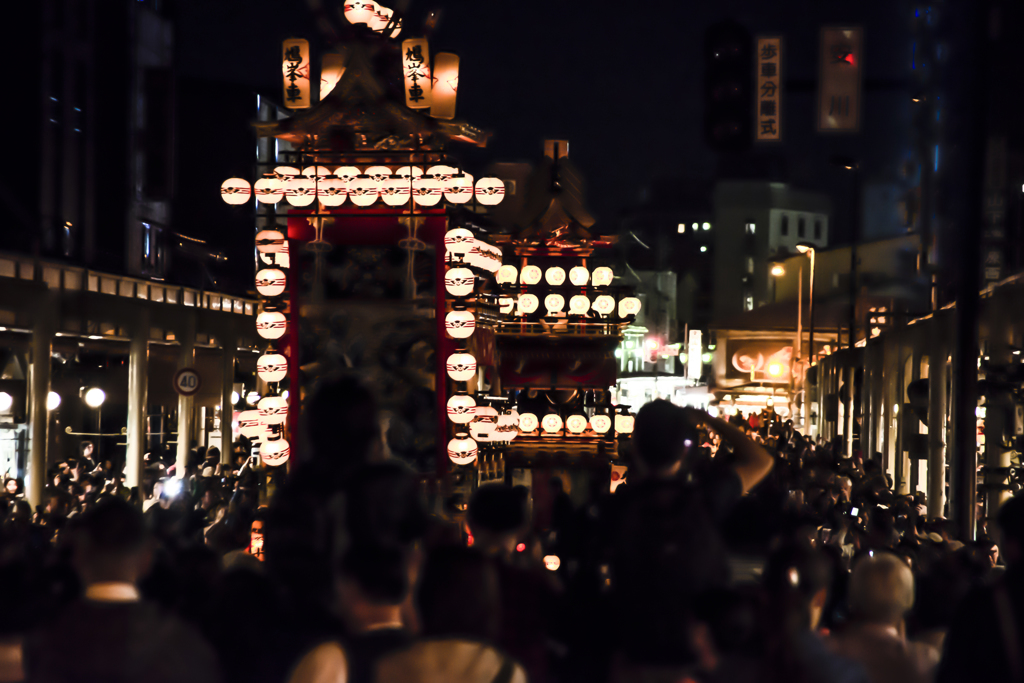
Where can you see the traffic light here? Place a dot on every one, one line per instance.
(653, 348)
(728, 87)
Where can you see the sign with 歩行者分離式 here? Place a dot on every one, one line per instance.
(768, 102)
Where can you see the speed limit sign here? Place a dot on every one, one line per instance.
(187, 382)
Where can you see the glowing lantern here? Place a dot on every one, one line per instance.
(461, 367)
(507, 275)
(552, 563)
(530, 275)
(270, 282)
(347, 173)
(475, 257)
(604, 304)
(268, 189)
(490, 191)
(629, 306)
(508, 426)
(579, 305)
(462, 450)
(601, 423)
(459, 281)
(554, 303)
(528, 423)
(481, 431)
(271, 324)
(460, 190)
(269, 241)
(576, 424)
(295, 68)
(300, 191)
(273, 410)
(360, 11)
(458, 241)
(378, 174)
(505, 304)
(460, 324)
(316, 171)
(331, 191)
(409, 172)
(332, 68)
(275, 452)
(624, 424)
(235, 191)
(579, 276)
(528, 303)
(52, 400)
(446, 85)
(282, 257)
(249, 424)
(486, 419)
(285, 171)
(272, 367)
(381, 17)
(461, 409)
(443, 174)
(602, 277)
(555, 276)
(416, 68)
(426, 191)
(363, 191)
(551, 423)
(395, 191)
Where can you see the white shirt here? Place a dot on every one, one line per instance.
(112, 591)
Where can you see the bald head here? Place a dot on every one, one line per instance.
(881, 589)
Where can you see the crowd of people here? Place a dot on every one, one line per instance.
(734, 551)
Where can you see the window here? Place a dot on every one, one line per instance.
(681, 228)
(748, 303)
(784, 228)
(706, 226)
(751, 228)
(750, 265)
(817, 229)
(801, 227)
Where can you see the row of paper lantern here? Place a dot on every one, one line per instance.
(486, 420)
(364, 188)
(267, 422)
(555, 276)
(579, 305)
(462, 247)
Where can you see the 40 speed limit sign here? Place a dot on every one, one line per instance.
(187, 382)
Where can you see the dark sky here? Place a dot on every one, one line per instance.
(622, 81)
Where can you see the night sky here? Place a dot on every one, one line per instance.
(621, 81)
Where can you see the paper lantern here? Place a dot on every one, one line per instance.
(461, 409)
(555, 276)
(446, 85)
(490, 191)
(601, 423)
(462, 450)
(551, 423)
(505, 304)
(579, 305)
(459, 281)
(604, 304)
(554, 303)
(300, 190)
(360, 11)
(274, 453)
(272, 367)
(409, 172)
(271, 324)
(461, 189)
(363, 191)
(443, 174)
(332, 68)
(486, 419)
(602, 277)
(629, 306)
(481, 432)
(285, 171)
(295, 69)
(461, 367)
(426, 191)
(378, 174)
(624, 424)
(528, 303)
(347, 173)
(576, 424)
(269, 241)
(508, 426)
(249, 424)
(458, 241)
(282, 258)
(235, 191)
(530, 275)
(273, 410)
(460, 324)
(268, 189)
(395, 191)
(579, 276)
(491, 257)
(316, 171)
(331, 191)
(416, 69)
(507, 275)
(270, 282)
(528, 423)
(381, 18)
(475, 256)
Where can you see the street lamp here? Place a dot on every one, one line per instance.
(94, 398)
(778, 270)
(807, 248)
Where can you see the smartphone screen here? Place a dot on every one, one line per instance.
(854, 512)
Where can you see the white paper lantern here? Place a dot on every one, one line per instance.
(461, 409)
(576, 424)
(555, 276)
(381, 18)
(490, 191)
(300, 191)
(378, 174)
(459, 281)
(270, 241)
(602, 277)
(446, 85)
(528, 423)
(505, 304)
(507, 275)
(528, 303)
(360, 11)
(272, 367)
(347, 173)
(458, 241)
(460, 324)
(282, 257)
(554, 303)
(508, 426)
(426, 191)
(461, 367)
(275, 452)
(363, 191)
(579, 276)
(530, 275)
(481, 432)
(604, 304)
(271, 282)
(316, 171)
(486, 419)
(268, 189)
(249, 424)
(271, 324)
(409, 172)
(443, 174)
(273, 410)
(284, 171)
(629, 306)
(331, 191)
(235, 191)
(460, 190)
(395, 191)
(475, 257)
(551, 423)
(579, 305)
(624, 424)
(601, 423)
(462, 450)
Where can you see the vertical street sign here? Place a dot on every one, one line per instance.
(295, 70)
(842, 51)
(768, 99)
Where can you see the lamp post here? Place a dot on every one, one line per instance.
(777, 271)
(94, 398)
(809, 249)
